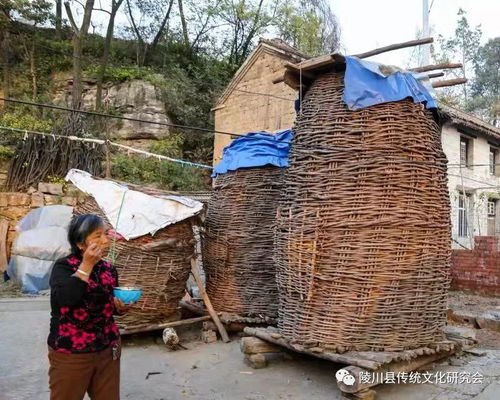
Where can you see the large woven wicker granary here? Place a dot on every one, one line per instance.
(159, 264)
(239, 231)
(363, 235)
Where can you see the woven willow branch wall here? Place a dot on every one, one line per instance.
(159, 265)
(363, 234)
(239, 242)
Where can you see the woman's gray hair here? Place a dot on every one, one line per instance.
(80, 228)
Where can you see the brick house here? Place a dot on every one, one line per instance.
(258, 99)
(253, 101)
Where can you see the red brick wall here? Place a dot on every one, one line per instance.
(477, 270)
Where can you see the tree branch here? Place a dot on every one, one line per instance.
(134, 26)
(162, 27)
(71, 19)
(103, 10)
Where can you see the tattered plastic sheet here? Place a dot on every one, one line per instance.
(131, 213)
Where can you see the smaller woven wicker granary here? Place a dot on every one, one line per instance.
(363, 232)
(238, 241)
(159, 264)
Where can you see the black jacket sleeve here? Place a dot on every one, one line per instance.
(67, 289)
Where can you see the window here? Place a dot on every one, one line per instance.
(493, 160)
(463, 227)
(464, 151)
(492, 208)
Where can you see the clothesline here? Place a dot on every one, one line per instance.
(104, 142)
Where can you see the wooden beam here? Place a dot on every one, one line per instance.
(449, 82)
(401, 366)
(395, 46)
(433, 67)
(156, 327)
(193, 307)
(213, 315)
(279, 79)
(435, 75)
(335, 357)
(297, 69)
(314, 63)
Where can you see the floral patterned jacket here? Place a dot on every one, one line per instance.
(82, 313)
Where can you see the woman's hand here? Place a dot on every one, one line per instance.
(92, 256)
(120, 306)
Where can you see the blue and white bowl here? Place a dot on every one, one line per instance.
(128, 295)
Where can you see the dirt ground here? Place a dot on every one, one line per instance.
(465, 302)
(210, 371)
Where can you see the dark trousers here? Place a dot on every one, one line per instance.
(72, 375)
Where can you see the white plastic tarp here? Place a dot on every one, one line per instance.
(132, 213)
(42, 239)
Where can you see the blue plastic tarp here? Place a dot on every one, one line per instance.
(256, 149)
(366, 85)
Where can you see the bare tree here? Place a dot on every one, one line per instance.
(58, 18)
(115, 6)
(154, 12)
(79, 34)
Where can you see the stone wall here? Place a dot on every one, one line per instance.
(136, 98)
(478, 270)
(244, 112)
(14, 206)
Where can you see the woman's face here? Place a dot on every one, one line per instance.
(98, 237)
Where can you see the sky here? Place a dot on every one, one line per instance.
(368, 24)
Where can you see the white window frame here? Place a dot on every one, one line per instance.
(493, 162)
(464, 151)
(492, 208)
(462, 215)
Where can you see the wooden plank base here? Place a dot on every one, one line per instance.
(262, 342)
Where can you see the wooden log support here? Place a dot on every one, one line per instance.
(156, 327)
(435, 75)
(256, 361)
(193, 307)
(253, 345)
(433, 67)
(197, 277)
(337, 358)
(396, 46)
(449, 82)
(396, 367)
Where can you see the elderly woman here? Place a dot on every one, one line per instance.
(84, 342)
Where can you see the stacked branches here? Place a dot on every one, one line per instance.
(239, 242)
(363, 230)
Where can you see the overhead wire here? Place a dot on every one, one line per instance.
(104, 115)
(104, 142)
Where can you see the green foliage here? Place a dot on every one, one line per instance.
(309, 26)
(58, 180)
(119, 74)
(163, 174)
(19, 119)
(6, 153)
(170, 146)
(462, 47)
(486, 85)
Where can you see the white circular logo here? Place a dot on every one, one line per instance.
(345, 377)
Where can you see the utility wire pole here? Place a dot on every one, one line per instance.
(425, 32)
